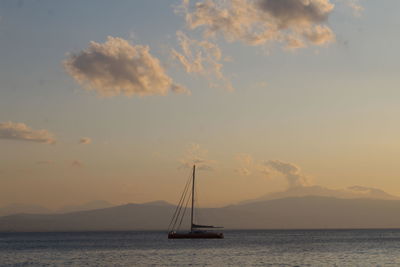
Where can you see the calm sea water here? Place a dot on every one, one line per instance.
(239, 248)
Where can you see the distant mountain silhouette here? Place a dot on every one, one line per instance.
(22, 208)
(92, 205)
(36, 209)
(348, 193)
(311, 212)
(157, 203)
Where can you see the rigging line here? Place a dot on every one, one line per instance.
(176, 209)
(179, 212)
(184, 211)
(179, 203)
(180, 206)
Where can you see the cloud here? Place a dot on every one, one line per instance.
(180, 89)
(117, 67)
(366, 190)
(358, 188)
(246, 164)
(85, 141)
(296, 23)
(195, 155)
(203, 58)
(76, 164)
(249, 166)
(354, 5)
(22, 132)
(291, 172)
(289, 13)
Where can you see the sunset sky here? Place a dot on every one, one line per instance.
(115, 100)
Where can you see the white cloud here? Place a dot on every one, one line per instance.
(203, 58)
(296, 23)
(195, 155)
(117, 67)
(20, 131)
(85, 141)
(291, 172)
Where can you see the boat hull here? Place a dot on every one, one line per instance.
(194, 235)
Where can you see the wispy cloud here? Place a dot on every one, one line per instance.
(355, 5)
(195, 155)
(85, 141)
(117, 67)
(22, 132)
(246, 164)
(291, 172)
(296, 23)
(203, 58)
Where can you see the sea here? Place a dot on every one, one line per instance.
(238, 248)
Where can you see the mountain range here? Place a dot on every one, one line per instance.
(352, 192)
(37, 209)
(308, 212)
(297, 207)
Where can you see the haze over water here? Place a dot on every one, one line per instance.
(239, 248)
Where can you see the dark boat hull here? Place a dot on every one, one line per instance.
(194, 235)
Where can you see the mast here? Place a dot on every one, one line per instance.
(191, 217)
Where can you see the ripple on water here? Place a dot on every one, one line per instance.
(239, 248)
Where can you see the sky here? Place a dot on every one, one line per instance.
(117, 100)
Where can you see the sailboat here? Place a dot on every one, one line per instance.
(196, 230)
